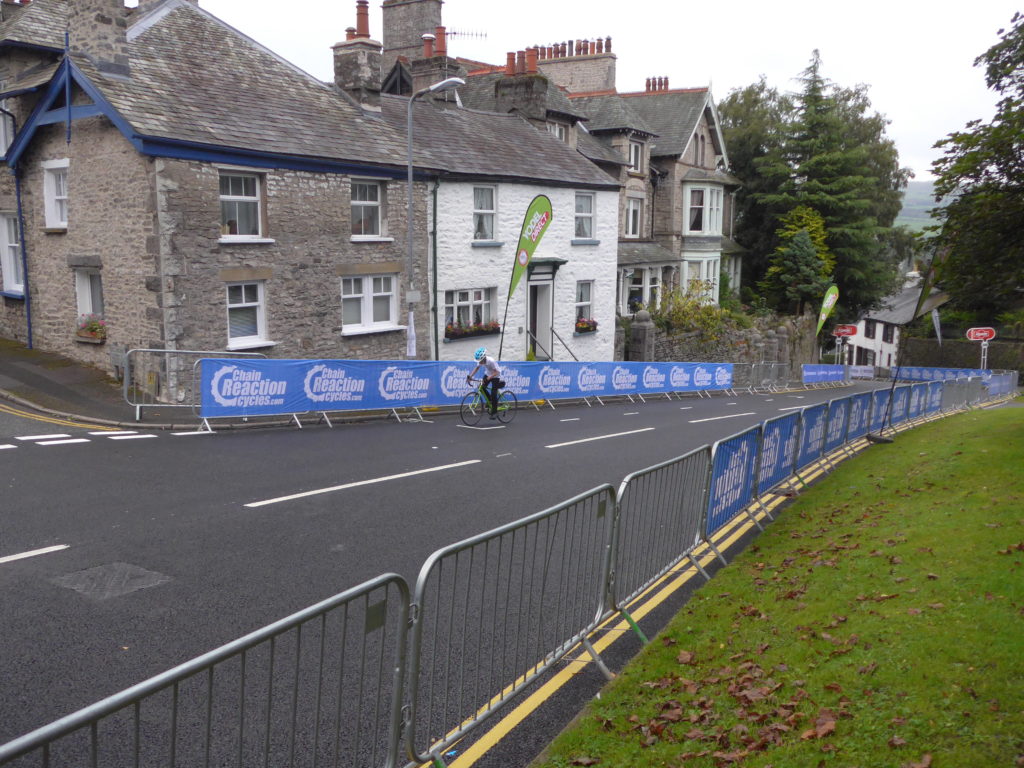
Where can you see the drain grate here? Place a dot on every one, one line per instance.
(113, 580)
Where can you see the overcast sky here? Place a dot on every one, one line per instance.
(916, 55)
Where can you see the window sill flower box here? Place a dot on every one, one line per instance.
(92, 329)
(456, 331)
(585, 325)
(90, 338)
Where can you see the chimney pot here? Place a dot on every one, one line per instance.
(363, 18)
(666, 83)
(520, 62)
(350, 33)
(428, 46)
(441, 45)
(648, 86)
(531, 61)
(510, 63)
(608, 45)
(600, 45)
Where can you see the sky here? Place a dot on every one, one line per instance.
(916, 56)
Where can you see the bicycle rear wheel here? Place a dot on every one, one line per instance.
(471, 409)
(508, 404)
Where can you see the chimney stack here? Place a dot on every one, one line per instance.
(98, 31)
(357, 61)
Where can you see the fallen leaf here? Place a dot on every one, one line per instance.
(926, 762)
(685, 657)
(585, 761)
(896, 741)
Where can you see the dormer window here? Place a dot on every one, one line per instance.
(559, 130)
(636, 157)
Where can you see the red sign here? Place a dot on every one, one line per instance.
(981, 334)
(844, 330)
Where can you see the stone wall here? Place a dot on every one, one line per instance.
(581, 74)
(961, 353)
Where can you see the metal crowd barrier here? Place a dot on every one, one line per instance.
(324, 682)
(165, 378)
(368, 675)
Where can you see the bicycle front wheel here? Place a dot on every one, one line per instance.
(508, 404)
(471, 409)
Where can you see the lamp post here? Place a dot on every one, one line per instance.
(411, 294)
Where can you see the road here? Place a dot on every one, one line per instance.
(156, 547)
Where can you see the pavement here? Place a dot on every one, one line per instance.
(58, 386)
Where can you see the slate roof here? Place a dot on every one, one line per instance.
(610, 112)
(471, 142)
(899, 308)
(593, 148)
(672, 115)
(37, 24)
(247, 97)
(644, 252)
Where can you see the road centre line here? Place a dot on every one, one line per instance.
(64, 442)
(130, 437)
(400, 476)
(719, 418)
(194, 432)
(41, 437)
(577, 418)
(7, 445)
(112, 434)
(600, 437)
(33, 553)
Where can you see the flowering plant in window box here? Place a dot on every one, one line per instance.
(92, 327)
(458, 330)
(585, 325)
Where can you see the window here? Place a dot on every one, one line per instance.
(559, 130)
(247, 315)
(6, 127)
(483, 213)
(584, 307)
(55, 193)
(468, 307)
(367, 202)
(89, 292)
(10, 256)
(703, 150)
(584, 215)
(636, 156)
(240, 215)
(642, 288)
(869, 329)
(704, 215)
(634, 210)
(888, 332)
(368, 302)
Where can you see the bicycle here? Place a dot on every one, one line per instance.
(476, 403)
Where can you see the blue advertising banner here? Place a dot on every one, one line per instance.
(918, 400)
(733, 469)
(812, 434)
(835, 431)
(259, 387)
(778, 450)
(816, 374)
(920, 373)
(879, 409)
(860, 411)
(935, 396)
(900, 402)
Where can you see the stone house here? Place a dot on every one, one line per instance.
(239, 203)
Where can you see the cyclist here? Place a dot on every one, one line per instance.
(492, 377)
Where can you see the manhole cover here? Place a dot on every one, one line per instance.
(113, 580)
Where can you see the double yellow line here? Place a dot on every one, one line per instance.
(4, 408)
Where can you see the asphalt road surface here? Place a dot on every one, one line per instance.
(123, 554)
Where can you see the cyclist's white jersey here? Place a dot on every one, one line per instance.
(490, 366)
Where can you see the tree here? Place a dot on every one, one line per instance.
(980, 240)
(800, 270)
(831, 154)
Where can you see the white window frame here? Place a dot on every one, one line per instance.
(584, 303)
(469, 301)
(484, 213)
(6, 126)
(634, 223)
(363, 295)
(89, 288)
(585, 217)
(648, 281)
(710, 208)
(559, 130)
(636, 156)
(379, 205)
(259, 182)
(56, 176)
(258, 339)
(11, 274)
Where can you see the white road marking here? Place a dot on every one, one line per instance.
(575, 419)
(792, 408)
(33, 553)
(632, 413)
(718, 418)
(41, 437)
(112, 434)
(361, 482)
(600, 437)
(686, 408)
(186, 434)
(7, 445)
(130, 437)
(64, 442)
(502, 455)
(492, 426)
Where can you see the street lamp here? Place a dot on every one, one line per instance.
(412, 295)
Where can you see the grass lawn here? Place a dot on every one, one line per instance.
(878, 622)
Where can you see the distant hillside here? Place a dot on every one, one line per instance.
(918, 199)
